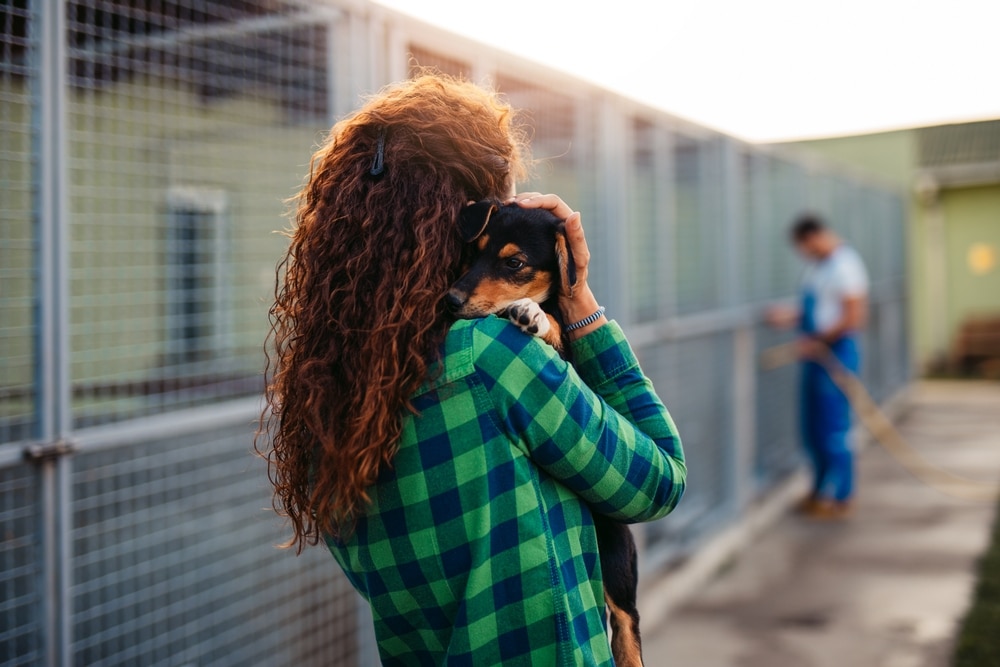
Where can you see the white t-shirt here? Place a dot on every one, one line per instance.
(831, 280)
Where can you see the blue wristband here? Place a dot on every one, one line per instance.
(585, 321)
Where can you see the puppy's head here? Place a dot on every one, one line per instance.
(520, 253)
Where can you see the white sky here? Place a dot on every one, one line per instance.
(762, 70)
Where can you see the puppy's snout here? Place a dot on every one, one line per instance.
(454, 300)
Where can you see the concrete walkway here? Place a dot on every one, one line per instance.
(886, 588)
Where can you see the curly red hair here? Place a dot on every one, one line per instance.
(358, 316)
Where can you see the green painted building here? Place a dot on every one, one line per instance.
(952, 173)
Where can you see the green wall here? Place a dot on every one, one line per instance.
(971, 216)
(889, 155)
(17, 257)
(130, 145)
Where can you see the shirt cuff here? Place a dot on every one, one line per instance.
(603, 354)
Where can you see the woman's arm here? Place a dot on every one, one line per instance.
(627, 462)
(598, 427)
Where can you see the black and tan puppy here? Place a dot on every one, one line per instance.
(521, 264)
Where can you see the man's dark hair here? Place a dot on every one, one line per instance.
(806, 225)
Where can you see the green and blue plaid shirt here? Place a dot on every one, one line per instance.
(478, 547)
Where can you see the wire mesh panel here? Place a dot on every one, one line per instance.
(894, 355)
(697, 193)
(760, 242)
(820, 191)
(647, 228)
(21, 623)
(789, 199)
(190, 125)
(777, 413)
(693, 377)
(174, 562)
(845, 215)
(872, 353)
(18, 164)
(895, 225)
(561, 141)
(894, 340)
(865, 234)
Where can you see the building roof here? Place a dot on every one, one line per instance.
(960, 143)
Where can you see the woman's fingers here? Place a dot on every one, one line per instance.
(537, 200)
(574, 227)
(522, 195)
(577, 241)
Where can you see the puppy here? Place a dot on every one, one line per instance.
(522, 262)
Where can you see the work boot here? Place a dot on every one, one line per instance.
(830, 510)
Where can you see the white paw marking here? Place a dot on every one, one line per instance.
(529, 317)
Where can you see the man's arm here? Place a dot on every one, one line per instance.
(854, 316)
(783, 316)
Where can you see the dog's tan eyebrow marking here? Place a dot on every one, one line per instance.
(483, 240)
(509, 250)
(540, 287)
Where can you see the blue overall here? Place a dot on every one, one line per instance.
(826, 415)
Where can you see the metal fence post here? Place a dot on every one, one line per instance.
(744, 416)
(667, 238)
(613, 158)
(365, 635)
(734, 243)
(733, 238)
(762, 212)
(55, 419)
(332, 79)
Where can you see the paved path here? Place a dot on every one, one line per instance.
(887, 588)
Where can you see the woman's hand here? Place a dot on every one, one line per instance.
(582, 303)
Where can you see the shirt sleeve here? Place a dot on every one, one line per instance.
(597, 427)
(850, 276)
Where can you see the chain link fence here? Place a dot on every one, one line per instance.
(146, 154)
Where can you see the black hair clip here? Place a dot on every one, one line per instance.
(378, 164)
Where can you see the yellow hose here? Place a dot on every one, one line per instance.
(882, 429)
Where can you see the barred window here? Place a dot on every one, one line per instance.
(195, 276)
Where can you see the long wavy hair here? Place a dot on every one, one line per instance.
(358, 317)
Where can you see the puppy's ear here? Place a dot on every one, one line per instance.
(567, 265)
(473, 219)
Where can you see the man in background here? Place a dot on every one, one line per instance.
(833, 309)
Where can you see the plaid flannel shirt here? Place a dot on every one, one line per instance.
(478, 547)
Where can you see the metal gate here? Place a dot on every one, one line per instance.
(145, 151)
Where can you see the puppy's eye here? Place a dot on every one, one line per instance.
(514, 263)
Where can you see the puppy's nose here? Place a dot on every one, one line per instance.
(453, 301)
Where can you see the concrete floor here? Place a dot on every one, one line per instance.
(886, 588)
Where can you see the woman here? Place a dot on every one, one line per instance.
(451, 467)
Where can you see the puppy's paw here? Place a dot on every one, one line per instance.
(529, 317)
